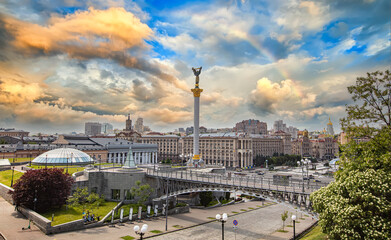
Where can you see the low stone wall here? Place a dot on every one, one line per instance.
(179, 210)
(40, 221)
(4, 193)
(73, 226)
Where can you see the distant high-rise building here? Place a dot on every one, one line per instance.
(279, 125)
(107, 128)
(330, 129)
(251, 126)
(128, 126)
(181, 130)
(189, 130)
(293, 131)
(138, 126)
(92, 128)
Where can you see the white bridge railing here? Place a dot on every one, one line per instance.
(295, 186)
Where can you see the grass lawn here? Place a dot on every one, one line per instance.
(5, 177)
(17, 160)
(212, 203)
(178, 226)
(315, 234)
(156, 231)
(62, 215)
(234, 212)
(71, 169)
(127, 237)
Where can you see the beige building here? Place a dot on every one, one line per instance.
(286, 141)
(251, 126)
(324, 148)
(267, 145)
(11, 132)
(301, 146)
(225, 149)
(168, 146)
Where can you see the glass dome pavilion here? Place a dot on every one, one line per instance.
(63, 156)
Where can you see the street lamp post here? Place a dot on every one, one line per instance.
(12, 178)
(166, 210)
(222, 219)
(294, 226)
(299, 163)
(141, 232)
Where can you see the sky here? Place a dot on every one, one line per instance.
(67, 62)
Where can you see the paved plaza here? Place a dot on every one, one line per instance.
(260, 223)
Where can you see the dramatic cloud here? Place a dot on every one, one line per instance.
(270, 97)
(92, 33)
(66, 62)
(107, 34)
(164, 116)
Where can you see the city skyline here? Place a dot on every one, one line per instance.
(63, 65)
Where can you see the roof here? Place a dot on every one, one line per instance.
(160, 136)
(63, 156)
(110, 141)
(5, 162)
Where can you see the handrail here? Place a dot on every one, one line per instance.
(301, 187)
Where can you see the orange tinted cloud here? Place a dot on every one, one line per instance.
(103, 31)
(106, 34)
(161, 116)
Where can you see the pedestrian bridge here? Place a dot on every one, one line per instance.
(183, 182)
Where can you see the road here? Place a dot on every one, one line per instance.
(253, 224)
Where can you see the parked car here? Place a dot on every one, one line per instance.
(316, 180)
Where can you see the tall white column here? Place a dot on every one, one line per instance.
(196, 139)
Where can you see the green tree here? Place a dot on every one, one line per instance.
(81, 197)
(284, 216)
(141, 192)
(357, 205)
(206, 198)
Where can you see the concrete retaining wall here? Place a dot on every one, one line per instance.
(179, 210)
(4, 193)
(40, 221)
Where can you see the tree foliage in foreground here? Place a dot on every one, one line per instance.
(358, 204)
(81, 197)
(49, 186)
(141, 192)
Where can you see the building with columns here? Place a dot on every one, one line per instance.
(117, 151)
(225, 149)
